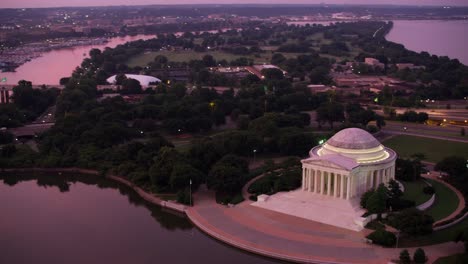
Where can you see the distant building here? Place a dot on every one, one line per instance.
(5, 95)
(174, 74)
(144, 80)
(411, 66)
(374, 62)
(318, 88)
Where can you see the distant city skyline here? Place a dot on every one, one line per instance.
(63, 3)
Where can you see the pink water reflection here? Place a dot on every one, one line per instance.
(56, 64)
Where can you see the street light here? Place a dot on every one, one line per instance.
(190, 193)
(397, 238)
(254, 151)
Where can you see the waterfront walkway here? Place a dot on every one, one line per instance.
(291, 238)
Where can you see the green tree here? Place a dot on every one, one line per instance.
(225, 178)
(377, 202)
(419, 256)
(178, 89)
(273, 74)
(382, 237)
(365, 197)
(405, 257)
(330, 112)
(182, 174)
(412, 222)
(161, 170)
(455, 166)
(6, 137)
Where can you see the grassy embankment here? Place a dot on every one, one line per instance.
(434, 150)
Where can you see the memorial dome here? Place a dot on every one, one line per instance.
(354, 143)
(353, 138)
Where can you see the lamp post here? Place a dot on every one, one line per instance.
(254, 151)
(397, 238)
(190, 193)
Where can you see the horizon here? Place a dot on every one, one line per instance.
(109, 3)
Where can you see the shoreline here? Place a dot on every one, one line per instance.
(240, 218)
(426, 48)
(180, 208)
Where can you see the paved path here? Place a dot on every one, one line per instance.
(461, 199)
(291, 238)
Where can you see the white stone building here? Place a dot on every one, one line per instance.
(347, 165)
(334, 177)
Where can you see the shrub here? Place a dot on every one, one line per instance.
(412, 222)
(374, 225)
(419, 256)
(429, 190)
(382, 237)
(365, 197)
(405, 257)
(183, 197)
(400, 204)
(238, 198)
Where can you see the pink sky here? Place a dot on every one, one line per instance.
(51, 3)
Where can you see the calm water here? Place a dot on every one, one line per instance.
(443, 38)
(53, 65)
(83, 219)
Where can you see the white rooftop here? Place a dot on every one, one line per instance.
(353, 138)
(144, 80)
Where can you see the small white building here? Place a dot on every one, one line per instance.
(144, 80)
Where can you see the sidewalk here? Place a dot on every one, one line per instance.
(291, 238)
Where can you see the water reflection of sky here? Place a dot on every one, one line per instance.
(53, 65)
(443, 38)
(88, 224)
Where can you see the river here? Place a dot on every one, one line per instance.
(443, 38)
(55, 64)
(86, 219)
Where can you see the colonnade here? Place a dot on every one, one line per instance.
(344, 185)
(5, 96)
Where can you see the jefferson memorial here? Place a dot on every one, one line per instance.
(334, 177)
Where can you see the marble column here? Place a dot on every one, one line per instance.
(329, 185)
(347, 186)
(303, 179)
(342, 187)
(311, 181)
(335, 185)
(316, 189)
(322, 182)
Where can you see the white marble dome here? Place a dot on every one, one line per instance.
(354, 143)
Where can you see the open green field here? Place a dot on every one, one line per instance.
(187, 55)
(446, 201)
(433, 149)
(414, 192)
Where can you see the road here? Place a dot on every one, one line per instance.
(30, 130)
(415, 129)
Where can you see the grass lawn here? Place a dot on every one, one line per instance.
(181, 56)
(444, 235)
(454, 259)
(414, 192)
(445, 203)
(433, 149)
